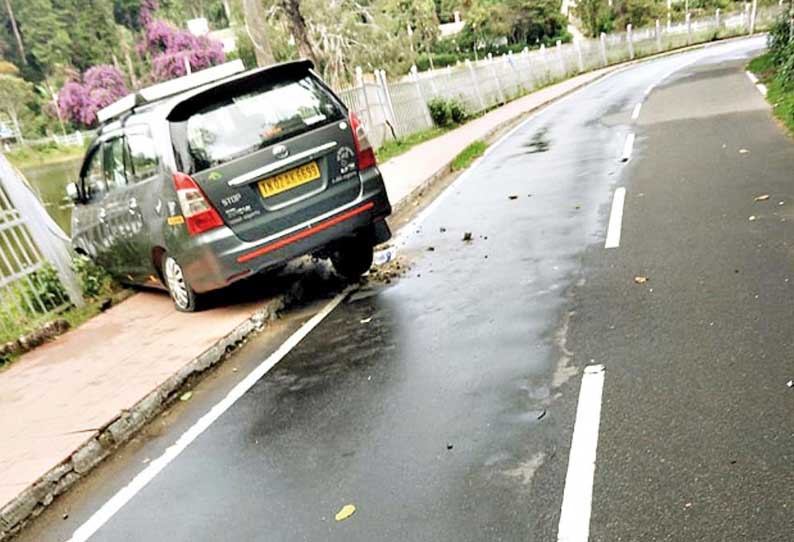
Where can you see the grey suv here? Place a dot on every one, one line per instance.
(196, 183)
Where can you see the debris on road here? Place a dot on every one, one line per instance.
(186, 396)
(442, 229)
(431, 249)
(384, 256)
(512, 196)
(467, 236)
(449, 446)
(366, 320)
(790, 383)
(743, 151)
(752, 217)
(762, 197)
(639, 279)
(345, 512)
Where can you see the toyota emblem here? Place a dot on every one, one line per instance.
(280, 151)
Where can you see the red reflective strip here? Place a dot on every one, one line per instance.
(305, 233)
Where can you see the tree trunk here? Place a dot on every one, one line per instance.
(125, 48)
(15, 120)
(227, 10)
(253, 12)
(16, 32)
(297, 26)
(55, 104)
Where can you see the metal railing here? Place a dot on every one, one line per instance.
(397, 109)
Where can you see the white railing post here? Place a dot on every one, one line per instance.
(425, 108)
(562, 60)
(546, 71)
(475, 83)
(658, 35)
(746, 17)
(363, 89)
(499, 91)
(578, 45)
(753, 14)
(688, 29)
(717, 19)
(603, 46)
(384, 86)
(630, 41)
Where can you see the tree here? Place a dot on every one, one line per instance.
(635, 12)
(297, 25)
(15, 94)
(101, 86)
(15, 27)
(253, 13)
(594, 15)
(44, 29)
(172, 50)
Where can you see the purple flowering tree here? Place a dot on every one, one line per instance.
(102, 85)
(172, 49)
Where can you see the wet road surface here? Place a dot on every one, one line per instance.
(442, 405)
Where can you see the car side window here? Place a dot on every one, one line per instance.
(94, 179)
(143, 161)
(114, 160)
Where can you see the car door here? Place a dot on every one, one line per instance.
(87, 235)
(120, 217)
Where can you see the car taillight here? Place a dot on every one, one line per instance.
(199, 215)
(364, 150)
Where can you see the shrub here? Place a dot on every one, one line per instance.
(778, 40)
(457, 111)
(440, 111)
(94, 280)
(44, 286)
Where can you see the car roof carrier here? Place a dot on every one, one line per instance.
(170, 88)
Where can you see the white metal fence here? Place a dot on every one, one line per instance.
(36, 278)
(397, 109)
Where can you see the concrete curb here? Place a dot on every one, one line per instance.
(33, 500)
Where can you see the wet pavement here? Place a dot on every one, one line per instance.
(442, 405)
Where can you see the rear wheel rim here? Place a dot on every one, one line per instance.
(176, 283)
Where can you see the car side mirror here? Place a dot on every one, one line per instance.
(73, 192)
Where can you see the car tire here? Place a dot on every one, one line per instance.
(183, 296)
(353, 258)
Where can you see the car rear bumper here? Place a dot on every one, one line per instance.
(218, 258)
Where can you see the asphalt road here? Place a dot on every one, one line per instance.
(442, 405)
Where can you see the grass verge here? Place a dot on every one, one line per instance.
(782, 100)
(395, 147)
(26, 157)
(468, 155)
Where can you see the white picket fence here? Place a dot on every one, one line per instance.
(396, 109)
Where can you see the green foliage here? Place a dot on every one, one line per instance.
(468, 155)
(446, 112)
(524, 22)
(778, 41)
(595, 16)
(637, 13)
(44, 290)
(395, 147)
(94, 280)
(457, 111)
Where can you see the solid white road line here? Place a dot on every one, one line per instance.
(123, 496)
(752, 77)
(628, 146)
(761, 88)
(577, 498)
(615, 219)
(636, 113)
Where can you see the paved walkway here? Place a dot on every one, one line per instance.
(55, 398)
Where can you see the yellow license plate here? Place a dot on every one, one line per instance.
(289, 179)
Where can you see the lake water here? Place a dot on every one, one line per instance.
(50, 181)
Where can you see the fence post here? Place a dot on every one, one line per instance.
(658, 35)
(425, 109)
(48, 237)
(579, 58)
(363, 89)
(753, 14)
(603, 47)
(476, 84)
(562, 60)
(746, 16)
(384, 86)
(717, 19)
(501, 94)
(688, 29)
(630, 41)
(546, 71)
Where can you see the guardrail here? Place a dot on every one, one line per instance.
(396, 109)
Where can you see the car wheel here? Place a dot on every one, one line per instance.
(352, 259)
(181, 293)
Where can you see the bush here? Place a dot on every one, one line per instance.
(778, 40)
(440, 111)
(94, 280)
(457, 111)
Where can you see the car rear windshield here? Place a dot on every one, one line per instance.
(247, 118)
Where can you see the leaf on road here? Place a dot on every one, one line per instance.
(366, 320)
(763, 197)
(467, 236)
(512, 197)
(186, 396)
(346, 511)
(639, 279)
(743, 151)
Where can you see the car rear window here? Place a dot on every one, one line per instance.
(245, 119)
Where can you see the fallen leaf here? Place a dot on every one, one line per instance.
(763, 197)
(467, 236)
(512, 197)
(743, 151)
(366, 320)
(346, 511)
(639, 279)
(186, 396)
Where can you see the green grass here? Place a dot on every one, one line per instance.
(25, 157)
(395, 147)
(782, 100)
(468, 155)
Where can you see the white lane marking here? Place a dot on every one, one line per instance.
(123, 496)
(761, 88)
(752, 77)
(636, 113)
(577, 498)
(628, 146)
(615, 219)
(649, 89)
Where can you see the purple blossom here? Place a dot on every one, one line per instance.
(169, 47)
(101, 86)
